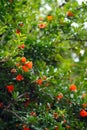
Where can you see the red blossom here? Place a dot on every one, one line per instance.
(70, 14)
(60, 96)
(49, 17)
(21, 46)
(73, 87)
(83, 113)
(29, 64)
(10, 88)
(25, 68)
(19, 77)
(42, 26)
(26, 128)
(39, 81)
(23, 59)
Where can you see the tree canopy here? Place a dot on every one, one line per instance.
(43, 58)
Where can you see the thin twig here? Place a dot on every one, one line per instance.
(13, 101)
(14, 113)
(22, 95)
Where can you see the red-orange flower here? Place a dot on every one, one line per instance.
(23, 59)
(70, 14)
(26, 128)
(73, 87)
(19, 77)
(25, 68)
(60, 96)
(21, 46)
(83, 113)
(42, 26)
(39, 81)
(18, 31)
(29, 64)
(49, 17)
(10, 88)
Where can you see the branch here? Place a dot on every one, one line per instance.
(13, 101)
(22, 95)
(14, 113)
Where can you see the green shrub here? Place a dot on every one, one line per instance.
(43, 65)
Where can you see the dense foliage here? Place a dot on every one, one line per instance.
(43, 72)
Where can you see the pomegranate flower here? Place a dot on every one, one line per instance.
(23, 59)
(73, 87)
(83, 113)
(26, 128)
(21, 46)
(42, 26)
(29, 64)
(19, 77)
(10, 88)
